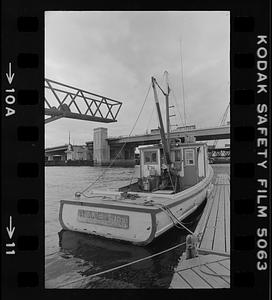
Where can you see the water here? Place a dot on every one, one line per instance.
(70, 256)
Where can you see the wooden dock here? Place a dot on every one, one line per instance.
(211, 269)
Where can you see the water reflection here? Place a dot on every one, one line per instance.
(96, 254)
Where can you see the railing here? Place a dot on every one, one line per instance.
(65, 101)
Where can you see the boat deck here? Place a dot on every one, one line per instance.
(212, 268)
(149, 200)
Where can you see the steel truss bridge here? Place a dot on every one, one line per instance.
(65, 101)
(219, 152)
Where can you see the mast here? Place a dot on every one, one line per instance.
(167, 110)
(162, 133)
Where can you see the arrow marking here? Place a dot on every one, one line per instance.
(10, 229)
(10, 75)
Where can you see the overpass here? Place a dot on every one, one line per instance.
(56, 149)
(56, 153)
(203, 134)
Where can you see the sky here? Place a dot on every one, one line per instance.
(114, 54)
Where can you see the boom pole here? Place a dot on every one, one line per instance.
(162, 132)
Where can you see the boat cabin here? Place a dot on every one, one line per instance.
(189, 163)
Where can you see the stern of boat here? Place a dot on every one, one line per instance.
(135, 225)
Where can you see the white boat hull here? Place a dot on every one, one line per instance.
(138, 222)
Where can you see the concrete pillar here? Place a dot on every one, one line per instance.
(101, 149)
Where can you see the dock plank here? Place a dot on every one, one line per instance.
(225, 263)
(220, 270)
(194, 279)
(201, 224)
(219, 235)
(216, 234)
(214, 281)
(207, 240)
(179, 283)
(227, 217)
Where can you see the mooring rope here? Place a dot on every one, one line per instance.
(122, 266)
(112, 162)
(165, 209)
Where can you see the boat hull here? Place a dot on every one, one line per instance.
(138, 223)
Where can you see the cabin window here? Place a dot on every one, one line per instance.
(177, 155)
(189, 157)
(150, 157)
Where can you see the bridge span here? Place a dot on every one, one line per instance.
(203, 134)
(103, 149)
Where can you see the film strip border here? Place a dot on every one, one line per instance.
(22, 153)
(249, 148)
(22, 149)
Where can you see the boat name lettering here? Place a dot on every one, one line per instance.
(102, 218)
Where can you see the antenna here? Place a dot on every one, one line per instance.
(182, 82)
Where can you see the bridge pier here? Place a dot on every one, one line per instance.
(101, 148)
(104, 153)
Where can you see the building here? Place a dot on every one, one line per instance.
(69, 152)
(77, 152)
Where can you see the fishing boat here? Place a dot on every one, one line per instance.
(173, 179)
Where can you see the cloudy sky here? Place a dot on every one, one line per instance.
(115, 54)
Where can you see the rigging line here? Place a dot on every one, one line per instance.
(123, 266)
(182, 82)
(134, 125)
